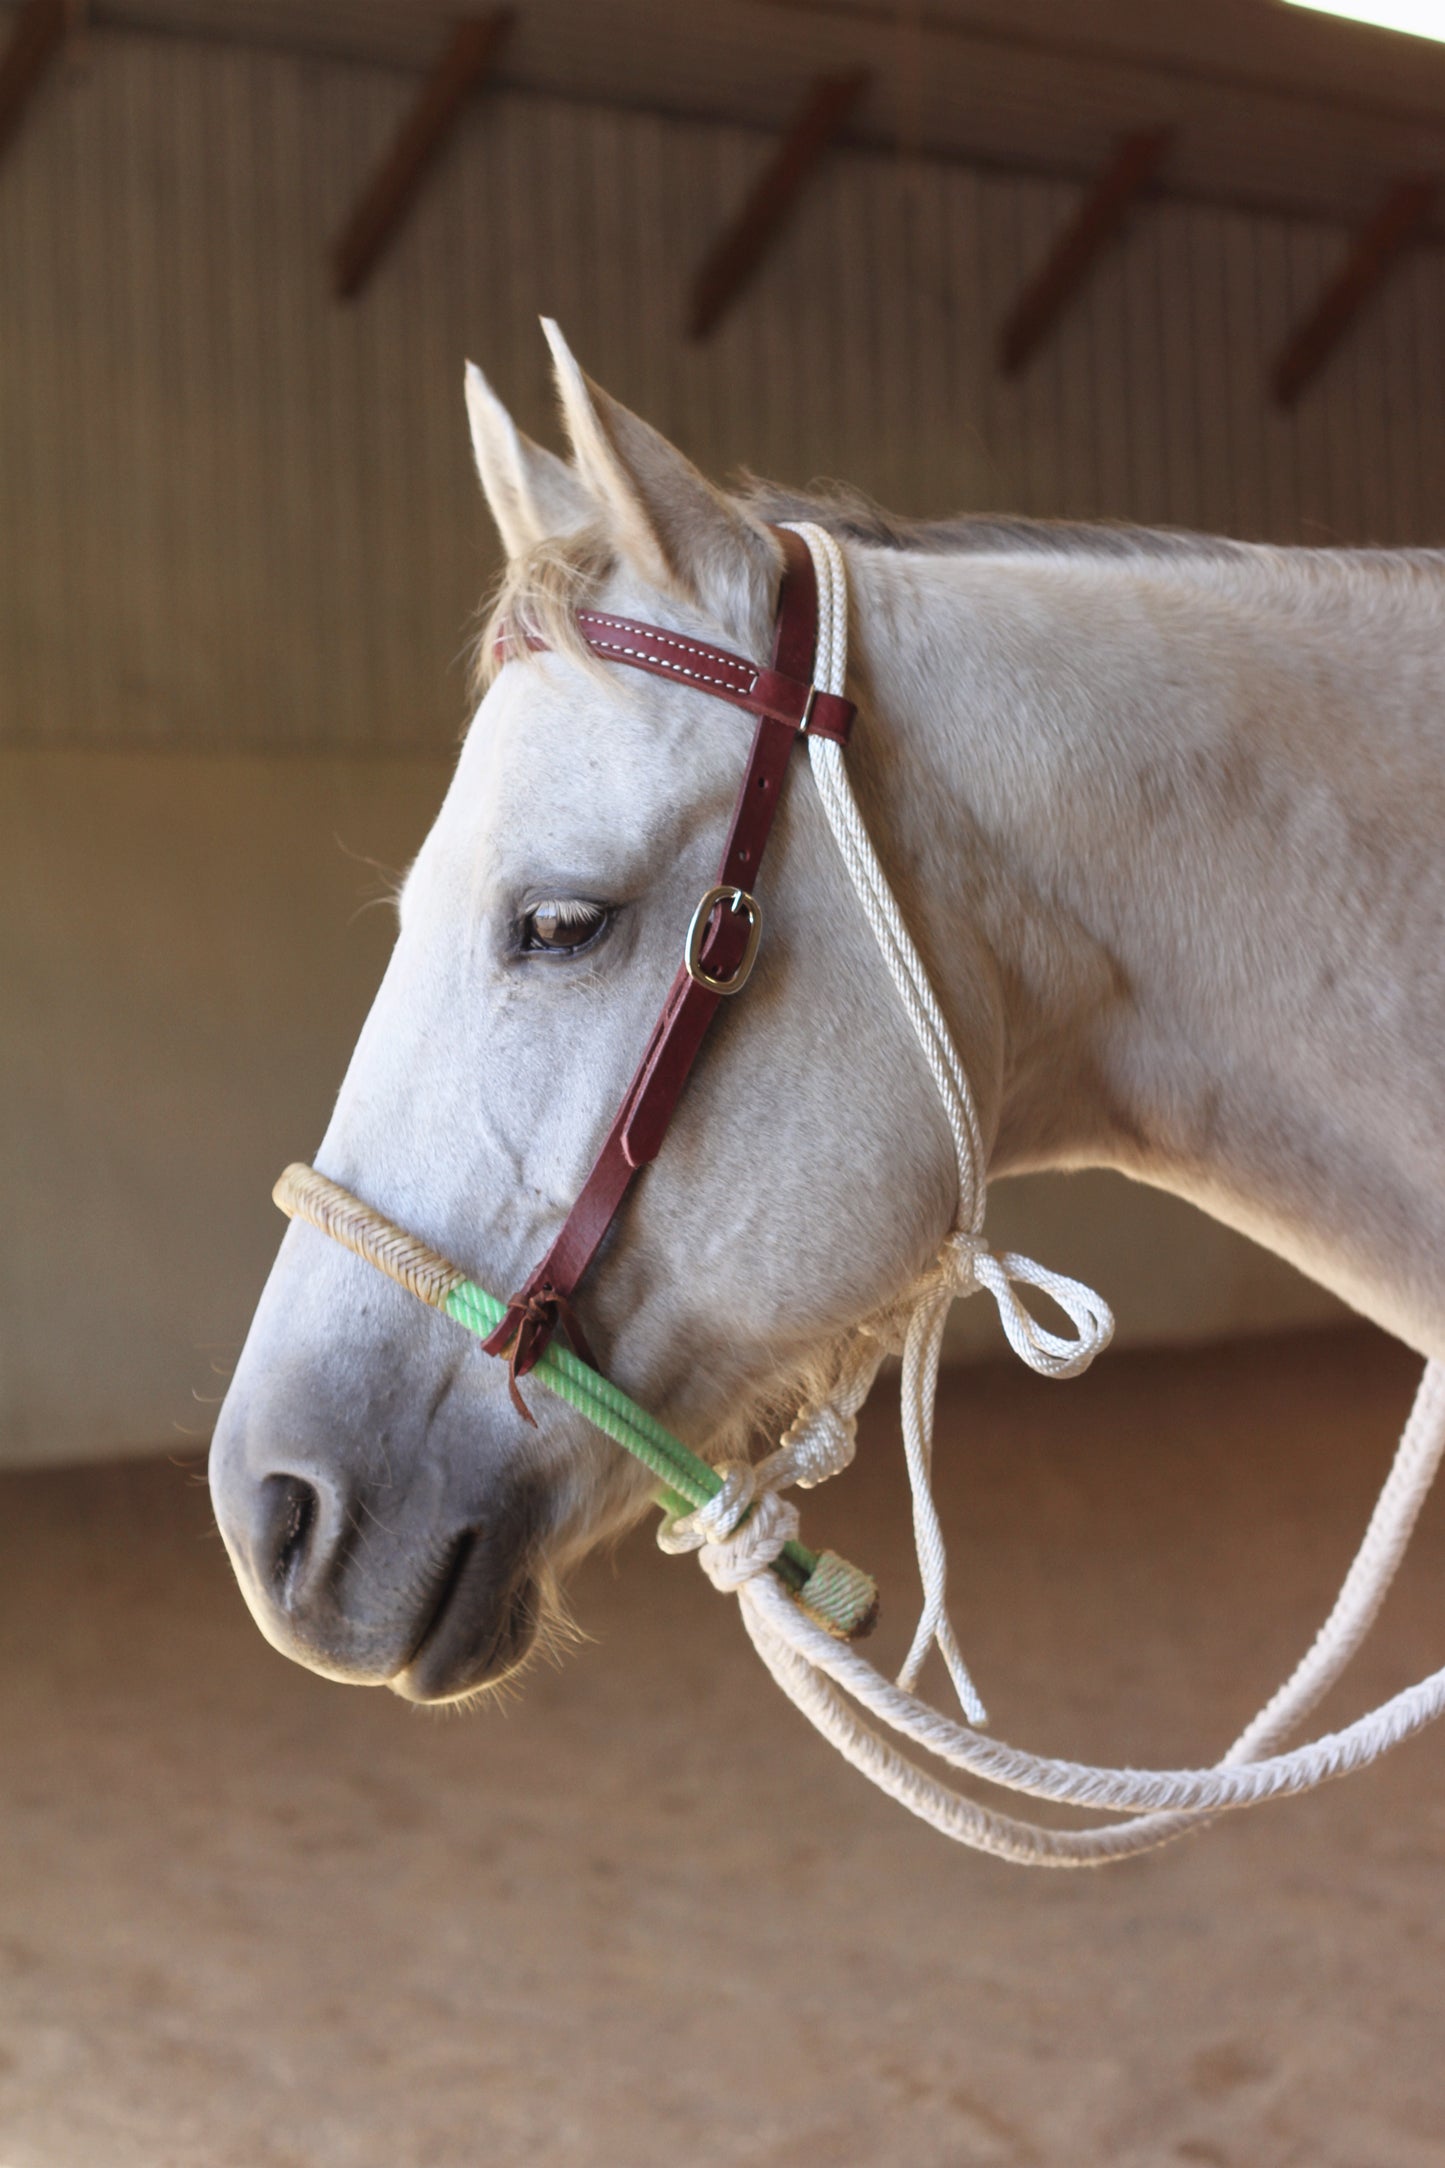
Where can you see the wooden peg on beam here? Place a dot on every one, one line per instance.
(740, 248)
(35, 39)
(1398, 220)
(1094, 225)
(464, 65)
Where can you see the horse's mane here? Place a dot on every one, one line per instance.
(854, 516)
(539, 592)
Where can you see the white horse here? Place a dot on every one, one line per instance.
(1164, 815)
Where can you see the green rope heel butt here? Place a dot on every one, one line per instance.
(838, 1595)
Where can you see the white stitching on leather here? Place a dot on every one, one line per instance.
(670, 639)
(660, 662)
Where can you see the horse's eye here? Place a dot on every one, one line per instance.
(561, 926)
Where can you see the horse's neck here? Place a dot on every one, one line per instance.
(1193, 809)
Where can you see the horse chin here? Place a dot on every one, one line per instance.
(470, 1641)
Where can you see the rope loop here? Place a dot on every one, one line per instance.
(970, 1264)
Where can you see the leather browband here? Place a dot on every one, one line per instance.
(783, 696)
(787, 706)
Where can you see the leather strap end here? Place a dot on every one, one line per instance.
(509, 1343)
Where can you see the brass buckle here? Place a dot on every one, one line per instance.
(736, 899)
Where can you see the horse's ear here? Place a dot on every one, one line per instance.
(533, 495)
(667, 519)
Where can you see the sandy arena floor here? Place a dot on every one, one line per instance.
(644, 1919)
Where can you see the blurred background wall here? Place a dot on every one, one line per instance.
(241, 545)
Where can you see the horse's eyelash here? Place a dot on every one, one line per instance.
(567, 910)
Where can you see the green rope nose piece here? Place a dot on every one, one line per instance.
(838, 1595)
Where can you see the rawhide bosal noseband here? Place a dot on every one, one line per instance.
(722, 938)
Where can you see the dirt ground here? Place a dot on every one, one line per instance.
(642, 1918)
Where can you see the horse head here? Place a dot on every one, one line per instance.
(390, 1515)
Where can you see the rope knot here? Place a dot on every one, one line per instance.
(962, 1254)
(738, 1533)
(821, 1442)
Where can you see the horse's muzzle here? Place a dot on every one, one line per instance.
(434, 1595)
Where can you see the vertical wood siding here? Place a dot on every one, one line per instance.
(235, 513)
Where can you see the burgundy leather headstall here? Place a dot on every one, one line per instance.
(722, 939)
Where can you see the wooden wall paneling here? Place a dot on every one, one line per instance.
(880, 193)
(1038, 208)
(916, 408)
(1114, 424)
(1175, 363)
(926, 379)
(1073, 363)
(1339, 397)
(972, 382)
(304, 446)
(1028, 233)
(83, 414)
(29, 695)
(832, 250)
(1001, 209)
(1240, 353)
(1213, 431)
(1139, 347)
(1068, 362)
(1427, 432)
(776, 312)
(724, 363)
(1312, 251)
(940, 455)
(1392, 484)
(1367, 423)
(1277, 438)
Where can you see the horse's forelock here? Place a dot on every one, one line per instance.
(537, 598)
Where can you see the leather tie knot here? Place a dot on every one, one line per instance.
(521, 1339)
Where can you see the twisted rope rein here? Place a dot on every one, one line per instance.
(801, 1610)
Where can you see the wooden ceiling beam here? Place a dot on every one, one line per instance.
(1098, 220)
(741, 247)
(36, 37)
(1122, 57)
(1400, 218)
(465, 63)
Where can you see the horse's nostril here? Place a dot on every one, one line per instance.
(291, 1523)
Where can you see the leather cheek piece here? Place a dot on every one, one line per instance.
(780, 696)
